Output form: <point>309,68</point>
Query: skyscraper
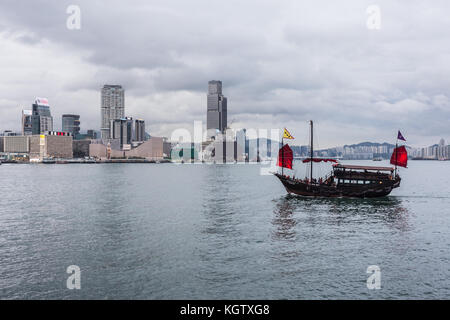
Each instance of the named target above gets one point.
<point>216,116</point>
<point>71,123</point>
<point>27,127</point>
<point>113,107</point>
<point>139,130</point>
<point>41,118</point>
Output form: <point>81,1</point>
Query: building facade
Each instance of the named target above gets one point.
<point>216,116</point>
<point>152,149</point>
<point>139,130</point>
<point>27,124</point>
<point>51,145</point>
<point>71,124</point>
<point>122,129</point>
<point>15,144</point>
<point>91,134</point>
<point>41,118</point>
<point>80,148</point>
<point>112,107</point>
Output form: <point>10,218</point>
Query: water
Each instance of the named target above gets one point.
<point>162,231</point>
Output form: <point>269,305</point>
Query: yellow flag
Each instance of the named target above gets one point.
<point>287,135</point>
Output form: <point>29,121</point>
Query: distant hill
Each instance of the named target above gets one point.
<point>303,151</point>
<point>369,144</point>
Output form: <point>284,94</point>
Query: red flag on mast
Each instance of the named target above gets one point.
<point>285,157</point>
<point>400,157</point>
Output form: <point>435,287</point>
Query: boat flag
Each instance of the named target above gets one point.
<point>400,157</point>
<point>287,135</point>
<point>285,157</point>
<point>400,136</point>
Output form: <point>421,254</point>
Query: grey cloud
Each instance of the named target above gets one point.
<point>282,60</point>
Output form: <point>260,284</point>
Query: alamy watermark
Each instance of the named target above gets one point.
<point>374,17</point>
<point>233,146</point>
<point>74,280</point>
<point>374,280</point>
<point>73,21</point>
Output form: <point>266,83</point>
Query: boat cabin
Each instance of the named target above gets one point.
<point>360,175</point>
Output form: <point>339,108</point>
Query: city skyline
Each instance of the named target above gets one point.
<point>121,127</point>
<point>281,67</point>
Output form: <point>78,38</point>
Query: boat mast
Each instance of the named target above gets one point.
<point>396,146</point>
<point>282,156</point>
<point>312,149</point>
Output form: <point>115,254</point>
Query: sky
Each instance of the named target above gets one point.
<point>281,62</point>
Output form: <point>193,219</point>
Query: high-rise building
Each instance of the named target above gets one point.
<point>113,107</point>
<point>122,129</point>
<point>71,123</point>
<point>41,118</point>
<point>139,130</point>
<point>216,116</point>
<point>27,128</point>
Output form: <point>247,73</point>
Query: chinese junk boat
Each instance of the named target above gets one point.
<point>344,180</point>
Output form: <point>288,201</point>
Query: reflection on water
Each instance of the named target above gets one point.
<point>283,220</point>
<point>218,211</point>
<point>388,210</point>
<point>215,232</point>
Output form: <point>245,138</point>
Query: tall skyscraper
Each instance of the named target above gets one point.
<point>113,107</point>
<point>27,124</point>
<point>41,118</point>
<point>71,123</point>
<point>216,116</point>
<point>139,130</point>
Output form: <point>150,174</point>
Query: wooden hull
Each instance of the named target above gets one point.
<point>373,190</point>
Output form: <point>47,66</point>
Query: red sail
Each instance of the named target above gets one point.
<point>285,157</point>
<point>400,157</point>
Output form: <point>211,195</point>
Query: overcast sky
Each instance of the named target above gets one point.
<point>281,64</point>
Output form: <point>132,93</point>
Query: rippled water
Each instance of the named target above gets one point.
<point>162,231</point>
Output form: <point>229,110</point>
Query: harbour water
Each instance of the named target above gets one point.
<point>165,231</point>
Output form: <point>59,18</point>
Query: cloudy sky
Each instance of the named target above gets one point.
<point>281,63</point>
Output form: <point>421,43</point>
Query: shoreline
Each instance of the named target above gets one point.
<point>82,161</point>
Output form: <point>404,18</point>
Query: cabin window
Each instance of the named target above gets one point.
<point>360,181</point>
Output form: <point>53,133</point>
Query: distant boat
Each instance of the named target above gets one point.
<point>344,180</point>
<point>48,161</point>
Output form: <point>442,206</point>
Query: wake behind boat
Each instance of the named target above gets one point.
<point>344,180</point>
